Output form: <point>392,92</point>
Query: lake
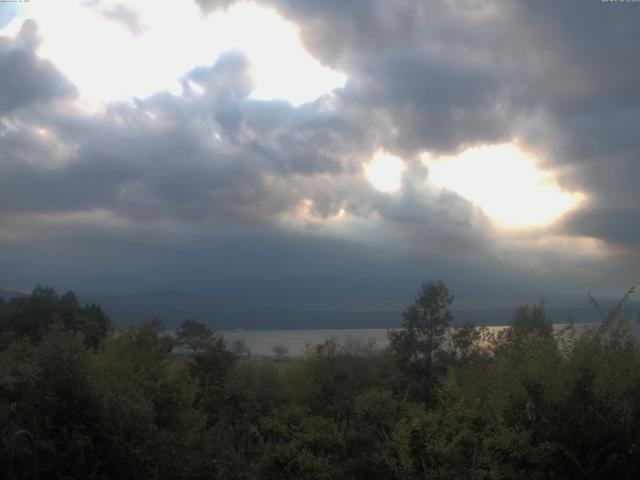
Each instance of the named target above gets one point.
<point>296,342</point>
<point>262,342</point>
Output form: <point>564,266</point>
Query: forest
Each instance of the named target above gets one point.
<point>443,401</point>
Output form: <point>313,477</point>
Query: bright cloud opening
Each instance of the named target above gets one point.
<point>505,183</point>
<point>385,172</point>
<point>108,61</point>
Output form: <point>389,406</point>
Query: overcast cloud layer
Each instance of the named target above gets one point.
<point>211,191</point>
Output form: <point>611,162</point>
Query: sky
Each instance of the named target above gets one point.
<point>330,154</point>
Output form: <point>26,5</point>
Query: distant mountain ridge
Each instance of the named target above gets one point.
<point>10,294</point>
<point>173,307</point>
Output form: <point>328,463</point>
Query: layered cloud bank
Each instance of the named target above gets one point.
<point>300,154</point>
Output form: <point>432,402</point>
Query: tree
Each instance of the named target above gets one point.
<point>241,349</point>
<point>531,320</point>
<point>46,390</point>
<point>194,336</point>
<point>465,341</point>
<point>209,361</point>
<point>280,351</point>
<point>148,427</point>
<point>418,345</point>
<point>33,315</point>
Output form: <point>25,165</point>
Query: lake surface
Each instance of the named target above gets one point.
<point>262,342</point>
<point>296,342</point>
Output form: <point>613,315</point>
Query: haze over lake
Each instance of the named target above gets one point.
<point>297,342</point>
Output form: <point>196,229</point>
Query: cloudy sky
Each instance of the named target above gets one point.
<point>321,152</point>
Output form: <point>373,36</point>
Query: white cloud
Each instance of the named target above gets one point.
<point>505,183</point>
<point>385,172</point>
<point>108,62</point>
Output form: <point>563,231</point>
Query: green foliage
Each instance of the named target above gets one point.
<point>194,336</point>
<point>32,316</point>
<point>531,321</point>
<point>300,446</point>
<point>328,380</point>
<point>46,390</point>
<point>528,403</point>
<point>418,345</point>
<point>148,395</point>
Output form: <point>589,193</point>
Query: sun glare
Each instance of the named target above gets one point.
<point>107,61</point>
<point>385,172</point>
<point>505,183</point>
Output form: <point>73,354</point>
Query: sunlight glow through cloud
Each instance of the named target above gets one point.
<point>107,61</point>
<point>505,183</point>
<point>385,172</point>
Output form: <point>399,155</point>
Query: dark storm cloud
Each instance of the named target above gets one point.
<point>181,191</point>
<point>25,79</point>
<point>561,76</point>
<point>430,104</point>
<point>589,84</point>
<point>175,157</point>
<point>426,71</point>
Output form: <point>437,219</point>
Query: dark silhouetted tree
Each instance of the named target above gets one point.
<point>418,345</point>
<point>194,336</point>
